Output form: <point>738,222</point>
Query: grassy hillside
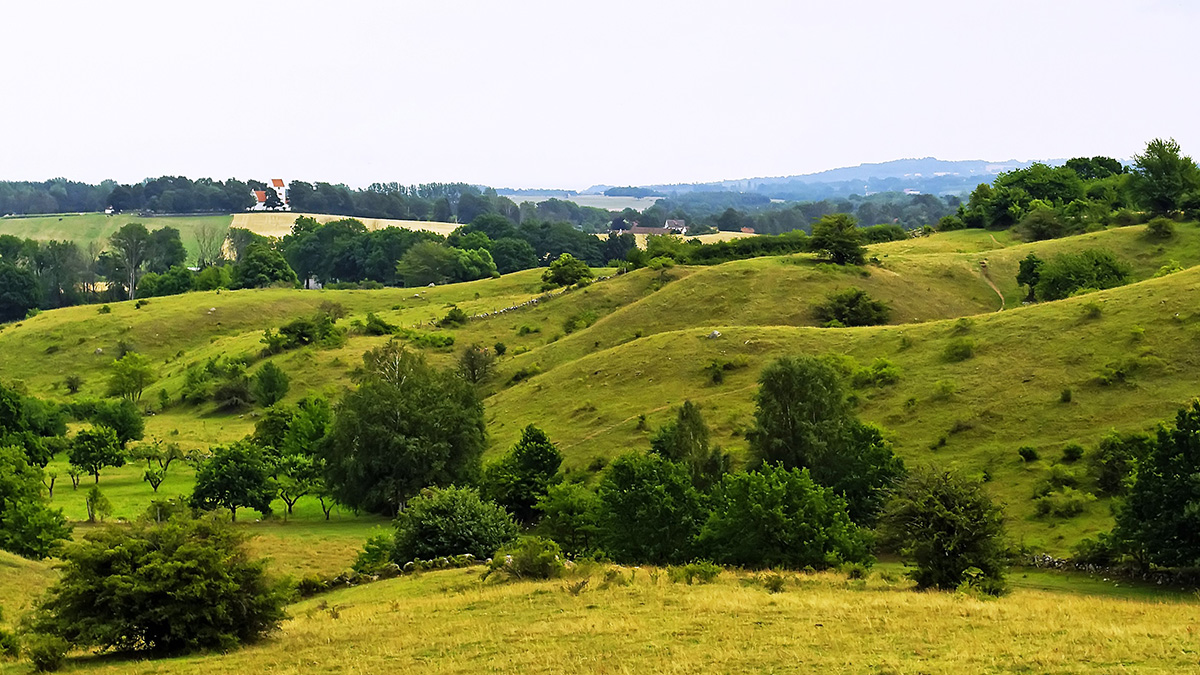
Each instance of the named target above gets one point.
<point>647,346</point>
<point>21,582</point>
<point>85,228</point>
<point>450,622</point>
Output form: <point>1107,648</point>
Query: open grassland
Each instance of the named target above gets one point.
<point>86,228</point>
<point>641,344</point>
<point>450,622</point>
<point>21,583</point>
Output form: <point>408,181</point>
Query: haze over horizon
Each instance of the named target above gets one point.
<point>539,94</point>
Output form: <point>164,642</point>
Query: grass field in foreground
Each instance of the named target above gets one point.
<point>450,622</point>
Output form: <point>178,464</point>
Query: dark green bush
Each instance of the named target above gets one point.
<point>377,326</point>
<point>949,530</point>
<point>375,554</point>
<point>1063,503</point>
<point>519,479</point>
<point>778,517</point>
<point>649,510</point>
<point>1115,459</point>
<point>450,521</point>
<point>455,317</point>
<point>569,513</point>
<point>1072,452</point>
<point>1028,454</point>
<point>851,307</point>
<point>959,349</point>
<point>183,586</point>
<point>579,321</point>
<point>1066,273</point>
<point>1160,228</point>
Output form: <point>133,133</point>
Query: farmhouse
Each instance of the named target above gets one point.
<point>261,197</point>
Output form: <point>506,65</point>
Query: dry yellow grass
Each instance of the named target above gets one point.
<point>278,224</point>
<point>449,622</point>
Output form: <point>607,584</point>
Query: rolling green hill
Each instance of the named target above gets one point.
<point>648,343</point>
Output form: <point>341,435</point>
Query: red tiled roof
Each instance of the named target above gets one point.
<point>277,182</point>
<point>260,195</point>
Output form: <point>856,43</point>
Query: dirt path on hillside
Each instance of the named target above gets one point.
<point>983,269</point>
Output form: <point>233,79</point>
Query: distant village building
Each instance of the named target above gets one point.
<point>676,226</point>
<point>747,230</point>
<point>281,191</point>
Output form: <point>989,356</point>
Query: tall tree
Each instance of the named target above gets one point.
<point>407,426</point>
<point>19,292</point>
<point>519,479</point>
<point>236,475</point>
<point>131,244</point>
<point>686,441</point>
<point>1163,176</point>
<point>837,238</point>
<point>94,449</point>
<point>164,250</point>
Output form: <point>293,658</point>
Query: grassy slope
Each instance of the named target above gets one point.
<point>595,382</point>
<point>89,227</point>
<point>21,582</point>
<point>449,622</point>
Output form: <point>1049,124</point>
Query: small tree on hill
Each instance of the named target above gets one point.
<point>837,238</point>
<point>569,512</point>
<point>476,363</point>
<point>519,479</point>
<point>183,586</point>
<point>686,440</point>
<point>129,376</point>
<point>269,385</point>
<point>567,270</point>
<point>96,448</point>
<point>949,530</point>
<point>236,475</point>
<point>261,266</point>
<point>1163,176</point>
<point>1028,274</point>
<point>851,307</point>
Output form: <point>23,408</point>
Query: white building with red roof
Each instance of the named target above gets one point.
<point>261,197</point>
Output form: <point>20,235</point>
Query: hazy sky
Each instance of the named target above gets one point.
<point>568,94</point>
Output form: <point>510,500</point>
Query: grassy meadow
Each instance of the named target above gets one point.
<point>85,228</point>
<point>647,346</point>
<point>638,621</point>
<point>638,346</point>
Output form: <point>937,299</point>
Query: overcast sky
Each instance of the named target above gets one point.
<point>569,94</point>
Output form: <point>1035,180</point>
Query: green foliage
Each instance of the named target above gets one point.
<point>236,475</point>
<point>47,653</point>
<point>96,448</point>
<point>1066,273</point>
<point>880,373</point>
<point>947,527</point>
<point>375,554</point>
<point>649,511</point>
<point>129,376</point>
<point>405,427</point>
<point>450,521</point>
<point>1029,273</point>
<point>454,318</point>
<point>28,527</point>
<point>19,292</point>
<point>567,270</point>
<point>686,441</point>
<point>1072,452</point>
<point>837,238</point>
<point>803,419</point>
<point>959,349</point>
<point>183,586</point>
<point>1066,502</point>
<point>1163,176</point>
<point>528,558</point>
<point>717,368</point>
<point>1114,461</point>
<point>779,517</point>
<point>270,384</point>
<point>1028,454</point>
<point>698,572</point>
<point>1160,228</point>
<point>1065,396</point>
<point>579,321</point>
<point>851,307</point>
<point>1157,521</point>
<point>519,480</point>
<point>377,326</point>
<point>427,262</point>
<point>261,266</point>
<point>476,363</point>
<point>97,504</point>
<point>569,513</point>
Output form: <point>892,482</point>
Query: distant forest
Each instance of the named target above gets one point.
<point>461,202</point>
